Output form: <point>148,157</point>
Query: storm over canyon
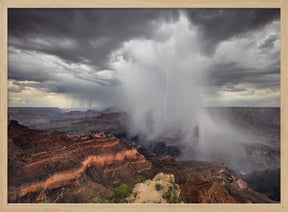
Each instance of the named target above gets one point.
<point>106,102</point>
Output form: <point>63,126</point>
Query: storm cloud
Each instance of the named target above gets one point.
<point>217,25</point>
<point>82,35</point>
<point>72,51</point>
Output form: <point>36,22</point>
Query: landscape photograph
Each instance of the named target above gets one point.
<point>141,106</point>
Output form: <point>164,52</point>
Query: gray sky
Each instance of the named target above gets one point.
<point>67,57</point>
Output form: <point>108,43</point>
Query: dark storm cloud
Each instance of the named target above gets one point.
<point>31,74</point>
<point>231,75</point>
<point>217,25</point>
<point>82,35</point>
<point>33,66</point>
<point>269,42</point>
<point>26,66</point>
<point>67,50</point>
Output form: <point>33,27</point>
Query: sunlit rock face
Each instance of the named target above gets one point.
<point>161,189</point>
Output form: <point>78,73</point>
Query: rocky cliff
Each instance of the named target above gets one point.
<point>77,168</point>
<point>40,163</point>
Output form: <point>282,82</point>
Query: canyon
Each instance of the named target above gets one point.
<point>79,156</point>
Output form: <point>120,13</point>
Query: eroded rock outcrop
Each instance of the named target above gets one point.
<point>161,189</point>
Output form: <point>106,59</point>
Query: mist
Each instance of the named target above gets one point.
<point>162,88</point>
<point>158,90</point>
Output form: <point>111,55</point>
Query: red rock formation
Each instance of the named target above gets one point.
<point>64,178</point>
<point>64,161</point>
<point>78,167</point>
<point>208,192</point>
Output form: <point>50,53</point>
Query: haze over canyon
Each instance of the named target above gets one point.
<point>106,102</point>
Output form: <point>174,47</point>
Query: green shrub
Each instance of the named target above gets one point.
<point>120,194</point>
<point>171,195</point>
<point>45,201</point>
<point>158,187</point>
<point>96,200</point>
<point>139,179</point>
<point>174,184</point>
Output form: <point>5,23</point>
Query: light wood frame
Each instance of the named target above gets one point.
<point>5,4</point>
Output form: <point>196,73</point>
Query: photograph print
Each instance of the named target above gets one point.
<point>143,105</point>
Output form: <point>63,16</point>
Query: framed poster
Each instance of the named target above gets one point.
<point>143,105</point>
